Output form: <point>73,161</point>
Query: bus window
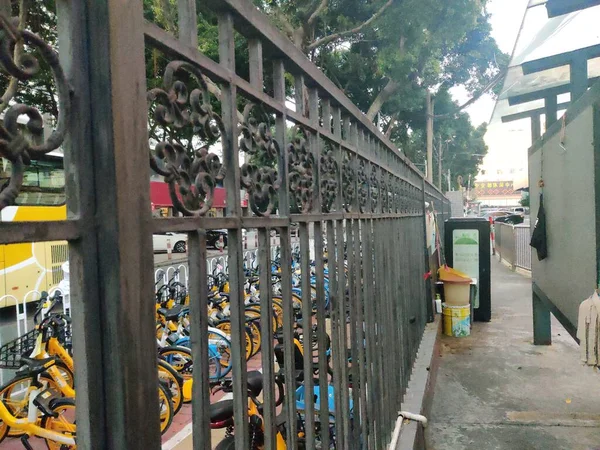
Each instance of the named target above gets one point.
<point>43,182</point>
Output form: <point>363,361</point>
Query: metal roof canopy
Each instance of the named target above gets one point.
<point>560,7</point>
<point>554,61</point>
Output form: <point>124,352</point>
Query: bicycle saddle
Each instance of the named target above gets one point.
<point>220,299</point>
<point>35,366</point>
<point>173,313</point>
<point>255,382</point>
<point>221,413</point>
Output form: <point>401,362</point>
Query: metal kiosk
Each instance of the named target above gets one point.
<point>467,248</point>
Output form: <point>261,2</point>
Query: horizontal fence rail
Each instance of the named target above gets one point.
<point>338,314</point>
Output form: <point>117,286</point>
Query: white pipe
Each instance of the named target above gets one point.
<point>401,416</point>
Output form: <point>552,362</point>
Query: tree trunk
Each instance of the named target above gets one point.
<point>384,95</point>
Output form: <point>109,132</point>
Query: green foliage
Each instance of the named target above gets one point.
<point>463,145</point>
<point>39,91</point>
<point>525,201</point>
<point>382,55</point>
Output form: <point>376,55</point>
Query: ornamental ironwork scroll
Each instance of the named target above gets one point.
<point>374,185</point>
<point>329,178</point>
<point>18,143</point>
<point>391,193</point>
<point>300,177</point>
<point>363,185</point>
<point>348,181</point>
<point>383,190</point>
<point>395,192</point>
<point>259,176</point>
<point>192,173</point>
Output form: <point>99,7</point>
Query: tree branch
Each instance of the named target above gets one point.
<point>384,95</point>
<point>333,37</point>
<point>11,90</point>
<point>390,88</point>
<point>216,91</point>
<point>317,12</point>
<point>285,23</point>
<point>390,127</point>
<point>477,96</point>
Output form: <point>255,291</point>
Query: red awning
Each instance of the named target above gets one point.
<point>159,194</point>
<point>160,197</point>
<point>220,198</point>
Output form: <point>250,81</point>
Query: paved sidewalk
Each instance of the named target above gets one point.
<point>496,390</point>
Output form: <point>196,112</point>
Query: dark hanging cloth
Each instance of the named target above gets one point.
<point>538,238</point>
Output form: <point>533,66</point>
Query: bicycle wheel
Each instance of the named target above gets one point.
<point>169,376</point>
<point>253,312</point>
<point>225,326</point>
<point>219,347</point>
<point>166,408</point>
<point>278,314</point>
<point>256,336</point>
<point>179,358</point>
<point>227,443</point>
<point>15,395</point>
<point>62,421</point>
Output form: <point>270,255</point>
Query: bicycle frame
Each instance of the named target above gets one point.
<point>54,348</point>
<point>29,425</point>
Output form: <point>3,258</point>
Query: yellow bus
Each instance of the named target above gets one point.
<point>27,269</point>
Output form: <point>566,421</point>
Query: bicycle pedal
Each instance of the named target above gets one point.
<point>25,442</point>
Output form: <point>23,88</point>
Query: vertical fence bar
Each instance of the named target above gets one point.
<point>360,326</point>
<point>288,338</point>
<point>380,282</point>
<point>307,304</point>
<point>353,375</point>
<point>199,334</point>
<point>266,327</point>
<point>334,276</point>
<point>117,88</point>
<point>234,238</point>
<point>322,334</point>
<point>369,328</point>
<point>342,378</point>
<point>188,22</point>
<point>74,34</point>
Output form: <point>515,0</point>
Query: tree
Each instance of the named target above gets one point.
<point>384,54</point>
<point>40,18</point>
<point>463,146</point>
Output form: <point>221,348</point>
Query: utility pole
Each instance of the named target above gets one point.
<point>440,156</point>
<point>429,137</point>
<point>449,181</point>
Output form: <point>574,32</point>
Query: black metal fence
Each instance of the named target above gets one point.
<point>349,189</point>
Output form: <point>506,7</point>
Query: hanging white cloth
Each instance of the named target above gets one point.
<point>588,330</point>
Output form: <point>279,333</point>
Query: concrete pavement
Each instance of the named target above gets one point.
<point>496,390</point>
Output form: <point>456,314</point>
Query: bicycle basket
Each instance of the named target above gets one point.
<point>11,352</point>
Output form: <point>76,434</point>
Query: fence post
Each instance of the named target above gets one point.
<point>514,249</point>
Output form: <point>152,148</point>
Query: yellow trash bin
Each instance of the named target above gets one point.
<point>457,320</point>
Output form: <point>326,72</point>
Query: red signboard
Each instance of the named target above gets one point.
<point>160,196</point>
<point>494,188</point>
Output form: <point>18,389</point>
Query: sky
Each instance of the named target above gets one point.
<point>508,143</point>
<point>506,18</point>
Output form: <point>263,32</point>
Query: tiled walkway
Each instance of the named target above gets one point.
<point>496,390</point>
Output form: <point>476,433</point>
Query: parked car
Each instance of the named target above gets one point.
<point>213,238</point>
<point>511,219</point>
<point>519,210</point>
<point>495,214</point>
<point>178,242</point>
